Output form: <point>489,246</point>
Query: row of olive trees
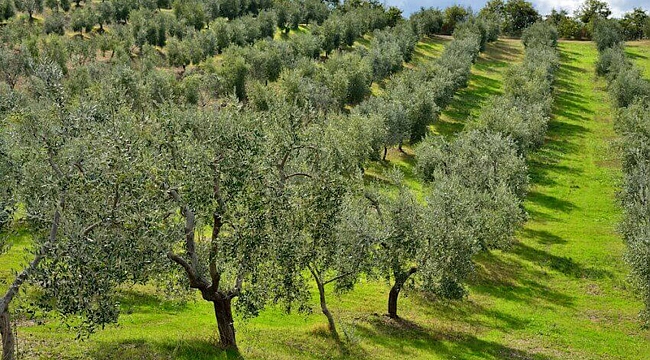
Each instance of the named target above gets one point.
<point>243,60</point>
<point>115,192</point>
<point>414,98</point>
<point>523,111</point>
<point>245,202</point>
<point>630,93</point>
<point>485,166</point>
<point>246,199</point>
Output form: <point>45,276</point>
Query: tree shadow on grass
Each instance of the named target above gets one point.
<point>466,311</point>
<point>544,163</point>
<point>635,56</point>
<point>146,349</point>
<point>134,301</point>
<point>503,51</point>
<point>562,264</point>
<point>551,202</point>
<point>509,279</point>
<point>543,237</point>
<point>405,338</point>
<point>466,103</point>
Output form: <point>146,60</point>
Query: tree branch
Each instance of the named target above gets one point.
<point>338,277</point>
<point>40,254</point>
<point>315,274</point>
<point>297,174</point>
<point>195,281</point>
<point>374,202</point>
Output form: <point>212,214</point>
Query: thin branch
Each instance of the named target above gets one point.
<point>297,174</point>
<point>315,274</point>
<point>90,228</point>
<point>374,202</point>
<point>338,277</point>
<point>238,283</point>
<point>217,186</point>
<point>40,254</point>
<point>190,245</point>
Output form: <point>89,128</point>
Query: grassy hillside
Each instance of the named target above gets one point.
<point>559,293</point>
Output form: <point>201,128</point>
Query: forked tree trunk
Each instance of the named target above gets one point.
<point>8,341</point>
<point>225,322</point>
<point>393,295</point>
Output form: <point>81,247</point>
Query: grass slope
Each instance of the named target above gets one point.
<point>639,52</point>
<point>560,293</point>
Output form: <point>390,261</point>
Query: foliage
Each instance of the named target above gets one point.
<point>633,24</point>
<point>454,15</point>
<point>607,33</point>
<point>590,10</point>
<point>54,24</point>
<point>630,93</point>
<point>523,111</point>
<point>518,15</point>
<point>31,7</point>
<point>427,22</point>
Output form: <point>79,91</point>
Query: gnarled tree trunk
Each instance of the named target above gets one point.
<point>225,323</point>
<point>400,279</point>
<point>8,341</point>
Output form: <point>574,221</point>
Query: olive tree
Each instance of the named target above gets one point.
<point>79,200</point>
<point>607,33</point>
<point>488,165</point>
<point>31,7</point>
<point>14,64</point>
<point>319,178</point>
<point>429,246</point>
<point>250,189</point>
<point>427,22</point>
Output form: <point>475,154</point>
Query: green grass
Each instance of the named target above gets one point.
<point>559,293</point>
<point>639,52</point>
<point>485,82</point>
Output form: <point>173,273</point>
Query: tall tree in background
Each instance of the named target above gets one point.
<point>633,24</point>
<point>591,9</point>
<point>518,15</point>
<point>454,15</point>
<point>567,26</point>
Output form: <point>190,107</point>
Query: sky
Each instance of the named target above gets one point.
<point>618,7</point>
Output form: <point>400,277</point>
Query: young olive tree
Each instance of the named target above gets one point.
<point>435,240</point>
<point>328,156</point>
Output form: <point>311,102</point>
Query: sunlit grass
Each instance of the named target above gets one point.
<point>639,52</point>
<point>559,293</point>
